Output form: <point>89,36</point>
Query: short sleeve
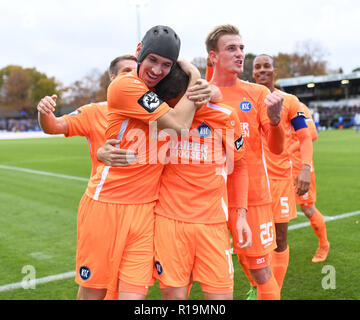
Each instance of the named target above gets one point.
<point>296,108</point>
<point>78,122</point>
<point>130,97</point>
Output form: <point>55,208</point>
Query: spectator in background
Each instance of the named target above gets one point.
<point>340,123</point>
<point>3,125</point>
<point>316,117</point>
<point>357,120</point>
<point>19,125</point>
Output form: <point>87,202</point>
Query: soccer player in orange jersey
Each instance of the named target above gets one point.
<point>193,198</point>
<point>259,112</point>
<point>87,121</point>
<point>192,209</point>
<point>279,165</point>
<point>116,213</point>
<point>307,201</point>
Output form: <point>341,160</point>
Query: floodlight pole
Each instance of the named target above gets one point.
<point>138,21</point>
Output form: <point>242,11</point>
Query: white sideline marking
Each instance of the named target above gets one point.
<point>326,218</point>
<point>25,135</point>
<point>40,256</point>
<point>72,274</point>
<point>44,173</point>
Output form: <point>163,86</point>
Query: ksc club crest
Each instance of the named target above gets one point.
<point>84,273</point>
<point>204,130</point>
<point>158,268</point>
<point>150,101</point>
<point>245,106</point>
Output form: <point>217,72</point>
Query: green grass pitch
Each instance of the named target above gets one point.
<point>38,220</point>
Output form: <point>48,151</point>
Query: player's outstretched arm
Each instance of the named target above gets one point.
<point>47,120</point>
<point>115,157</point>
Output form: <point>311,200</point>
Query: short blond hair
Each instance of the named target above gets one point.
<point>213,37</point>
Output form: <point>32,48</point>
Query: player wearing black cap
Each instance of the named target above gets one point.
<point>116,225</point>
<point>161,40</point>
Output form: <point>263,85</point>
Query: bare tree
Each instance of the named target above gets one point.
<point>200,63</point>
<point>308,59</point>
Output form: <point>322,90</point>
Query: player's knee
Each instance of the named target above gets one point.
<point>216,296</point>
<point>262,275</point>
<point>91,294</point>
<point>308,211</point>
<point>174,293</point>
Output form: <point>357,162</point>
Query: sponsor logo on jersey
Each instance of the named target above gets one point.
<point>74,113</point>
<point>239,143</point>
<point>188,150</point>
<point>245,106</point>
<point>84,273</point>
<point>150,101</point>
<point>159,268</point>
<point>204,130</point>
<point>245,130</point>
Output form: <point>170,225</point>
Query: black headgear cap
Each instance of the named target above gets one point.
<point>161,40</point>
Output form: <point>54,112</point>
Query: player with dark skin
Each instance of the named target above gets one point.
<point>293,119</point>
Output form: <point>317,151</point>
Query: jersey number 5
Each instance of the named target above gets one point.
<point>284,202</point>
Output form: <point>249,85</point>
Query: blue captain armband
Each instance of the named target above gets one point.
<point>299,122</point>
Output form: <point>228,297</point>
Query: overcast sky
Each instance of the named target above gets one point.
<point>67,39</point>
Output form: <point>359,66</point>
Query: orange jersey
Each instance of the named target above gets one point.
<point>295,155</point>
<point>248,101</point>
<point>193,184</point>
<point>89,121</point>
<point>279,165</point>
<point>132,110</point>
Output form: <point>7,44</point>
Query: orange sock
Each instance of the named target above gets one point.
<point>318,225</point>
<point>269,290</point>
<point>244,265</point>
<point>279,265</point>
